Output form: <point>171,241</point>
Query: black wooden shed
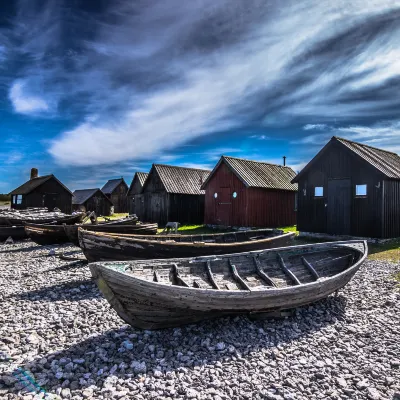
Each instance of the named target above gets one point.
<point>173,194</point>
<point>91,200</point>
<point>350,188</point>
<point>44,191</point>
<point>135,197</point>
<point>116,190</point>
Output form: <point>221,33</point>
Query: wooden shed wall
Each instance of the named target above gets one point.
<point>252,206</point>
<point>184,208</point>
<point>391,209</point>
<point>317,214</point>
<point>97,203</point>
<point>119,199</point>
<point>135,199</point>
<point>50,194</point>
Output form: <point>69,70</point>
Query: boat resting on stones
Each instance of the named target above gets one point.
<point>99,246</point>
<point>46,234</point>
<point>133,229</point>
<point>153,294</point>
<point>57,218</point>
<point>15,232</point>
<point>123,225</point>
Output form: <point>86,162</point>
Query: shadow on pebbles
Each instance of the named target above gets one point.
<point>59,335</point>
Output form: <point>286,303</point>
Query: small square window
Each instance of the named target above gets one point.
<point>19,199</point>
<point>319,191</point>
<point>361,190</point>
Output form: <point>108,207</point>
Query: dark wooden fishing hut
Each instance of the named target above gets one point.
<point>92,200</point>
<point>350,188</point>
<point>173,194</point>
<point>42,191</point>
<point>116,190</point>
<point>135,197</point>
<point>241,192</point>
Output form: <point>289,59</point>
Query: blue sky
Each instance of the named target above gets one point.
<point>93,90</point>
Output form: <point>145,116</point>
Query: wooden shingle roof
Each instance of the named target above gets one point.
<point>181,180</point>
<point>258,174</point>
<point>387,162</point>
<point>32,184</point>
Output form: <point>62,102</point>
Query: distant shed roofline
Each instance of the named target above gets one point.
<point>137,176</point>
<point>85,199</point>
<point>43,179</point>
<point>112,184</point>
<point>226,162</point>
<point>337,139</point>
<point>154,167</point>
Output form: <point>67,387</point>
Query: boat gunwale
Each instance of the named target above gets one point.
<point>167,288</point>
<point>133,238</point>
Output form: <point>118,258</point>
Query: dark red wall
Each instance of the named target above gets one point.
<point>251,207</point>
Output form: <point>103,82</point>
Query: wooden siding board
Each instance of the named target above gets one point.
<point>341,163</point>
<point>391,209</point>
<point>252,206</point>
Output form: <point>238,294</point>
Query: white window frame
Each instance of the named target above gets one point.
<point>366,190</point>
<point>315,191</point>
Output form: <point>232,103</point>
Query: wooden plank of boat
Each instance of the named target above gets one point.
<point>149,303</point>
<point>100,246</point>
<point>16,232</point>
<point>46,234</point>
<point>112,227</point>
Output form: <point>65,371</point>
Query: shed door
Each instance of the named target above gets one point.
<point>224,206</point>
<point>50,200</point>
<point>339,206</point>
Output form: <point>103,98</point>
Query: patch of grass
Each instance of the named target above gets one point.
<point>5,203</point>
<point>397,277</point>
<point>389,251</point>
<point>111,217</point>
<point>194,230</point>
<point>287,229</point>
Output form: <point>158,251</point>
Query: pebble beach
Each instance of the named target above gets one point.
<point>59,338</point>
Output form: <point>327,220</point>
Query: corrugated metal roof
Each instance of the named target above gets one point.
<point>181,180</point>
<point>32,184</point>
<point>385,161</point>
<point>259,174</point>
<point>83,195</point>
<point>141,178</point>
<point>111,185</point>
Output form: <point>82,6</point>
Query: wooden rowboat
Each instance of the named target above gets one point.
<point>46,234</point>
<point>98,246</point>
<point>153,294</point>
<point>16,232</point>
<point>37,218</point>
<point>111,227</point>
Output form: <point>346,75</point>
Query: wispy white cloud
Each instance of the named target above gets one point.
<point>24,102</point>
<point>150,78</point>
<point>260,137</point>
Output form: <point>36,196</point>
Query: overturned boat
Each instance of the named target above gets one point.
<point>46,234</point>
<point>99,246</point>
<point>16,217</point>
<point>153,294</point>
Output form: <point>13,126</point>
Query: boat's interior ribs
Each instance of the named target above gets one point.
<point>250,271</point>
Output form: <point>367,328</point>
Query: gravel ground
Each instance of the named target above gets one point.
<point>56,326</point>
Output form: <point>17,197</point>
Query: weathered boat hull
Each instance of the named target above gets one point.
<point>142,229</point>
<point>147,304</point>
<point>32,219</point>
<point>109,247</point>
<point>16,232</point>
<point>46,234</point>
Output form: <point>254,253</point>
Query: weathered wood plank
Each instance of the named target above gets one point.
<point>210,275</point>
<point>177,277</point>
<point>156,277</point>
<point>314,273</point>
<point>261,273</point>
<point>287,270</point>
<point>237,277</point>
